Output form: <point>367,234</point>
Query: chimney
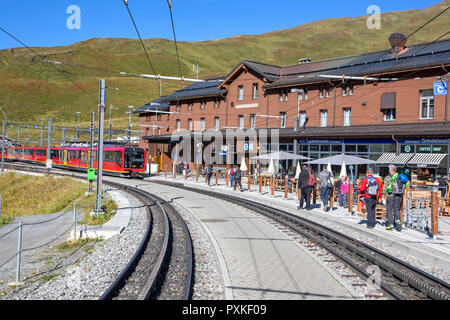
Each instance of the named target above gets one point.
<point>304,60</point>
<point>398,43</point>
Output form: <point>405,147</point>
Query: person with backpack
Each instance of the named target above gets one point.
<point>305,185</point>
<point>326,183</point>
<point>394,186</point>
<point>237,179</point>
<point>209,172</point>
<point>371,190</point>
<point>231,175</point>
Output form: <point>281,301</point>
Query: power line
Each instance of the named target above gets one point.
<point>428,22</point>
<point>52,65</point>
<point>142,43</point>
<point>169,3</point>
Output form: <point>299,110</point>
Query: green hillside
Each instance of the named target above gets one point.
<point>32,89</point>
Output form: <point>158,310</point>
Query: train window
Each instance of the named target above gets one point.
<point>74,154</point>
<point>84,156</point>
<point>41,153</point>
<point>29,152</point>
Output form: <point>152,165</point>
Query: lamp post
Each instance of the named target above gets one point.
<point>297,121</point>
<point>42,131</point>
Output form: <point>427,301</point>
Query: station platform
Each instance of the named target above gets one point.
<point>412,246</point>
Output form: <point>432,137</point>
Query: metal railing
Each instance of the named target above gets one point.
<point>415,214</point>
<point>20,228</point>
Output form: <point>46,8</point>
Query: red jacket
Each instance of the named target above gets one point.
<point>363,188</point>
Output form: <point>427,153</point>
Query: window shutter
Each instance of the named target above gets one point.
<point>388,100</point>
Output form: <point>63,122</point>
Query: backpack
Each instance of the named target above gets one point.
<point>372,186</point>
<point>311,180</point>
<point>231,172</point>
<point>398,187</point>
<point>237,174</point>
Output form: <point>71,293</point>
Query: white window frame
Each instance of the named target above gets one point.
<point>428,99</point>
<point>241,93</point>
<point>283,95</point>
<point>203,122</point>
<point>190,124</point>
<point>350,89</point>
<point>252,121</point>
<point>344,90</point>
<point>302,118</point>
<point>255,91</point>
<point>347,117</point>
<point>390,114</point>
<point>323,124</point>
<point>178,124</point>
<point>241,122</point>
<point>217,122</point>
<point>283,119</point>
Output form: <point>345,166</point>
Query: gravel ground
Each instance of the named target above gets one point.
<point>87,276</point>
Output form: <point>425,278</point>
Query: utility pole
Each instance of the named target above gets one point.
<point>3,146</point>
<point>101,117</point>
<point>49,146</point>
<point>91,151</point>
<point>42,134</point>
<point>78,127</point>
<point>18,135</point>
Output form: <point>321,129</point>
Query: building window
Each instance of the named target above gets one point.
<point>190,124</point>
<point>283,119</point>
<point>252,121</point>
<point>303,95</point>
<point>217,122</point>
<point>426,104</point>
<point>203,105</point>
<point>321,93</point>
<point>350,89</point>
<point>178,124</point>
<point>389,114</point>
<point>203,121</point>
<point>302,118</point>
<point>255,91</point>
<point>347,116</point>
<point>216,104</point>
<point>323,118</point>
<point>178,108</point>
<point>190,106</point>
<point>283,95</point>
<point>344,90</point>
<point>241,93</point>
<point>241,122</point>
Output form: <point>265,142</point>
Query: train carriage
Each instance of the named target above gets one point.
<point>117,160</point>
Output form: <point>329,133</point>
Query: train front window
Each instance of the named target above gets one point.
<point>134,158</point>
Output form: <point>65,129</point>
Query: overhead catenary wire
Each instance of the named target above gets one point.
<point>142,43</point>
<point>169,3</point>
<point>45,60</point>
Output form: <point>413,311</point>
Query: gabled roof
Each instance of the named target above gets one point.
<point>197,90</point>
<point>418,56</point>
<point>267,71</point>
<point>155,105</point>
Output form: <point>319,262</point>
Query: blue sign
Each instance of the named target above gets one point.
<point>440,88</point>
<point>246,146</point>
<point>222,154</point>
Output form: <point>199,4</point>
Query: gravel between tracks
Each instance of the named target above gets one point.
<point>89,277</point>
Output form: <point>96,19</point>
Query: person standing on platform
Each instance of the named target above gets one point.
<point>371,190</point>
<point>231,175</point>
<point>344,191</point>
<point>338,189</point>
<point>209,172</point>
<point>237,179</point>
<point>304,188</point>
<point>443,185</point>
<point>393,189</point>
<point>326,183</point>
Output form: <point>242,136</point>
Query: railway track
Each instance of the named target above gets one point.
<point>162,266</point>
<point>399,279</point>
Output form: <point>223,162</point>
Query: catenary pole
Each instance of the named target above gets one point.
<point>49,144</point>
<point>101,116</point>
<point>91,151</point>
<point>3,145</point>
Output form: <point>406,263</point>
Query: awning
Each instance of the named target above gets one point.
<point>399,160</point>
<point>426,160</point>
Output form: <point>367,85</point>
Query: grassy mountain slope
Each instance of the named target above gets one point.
<point>31,89</point>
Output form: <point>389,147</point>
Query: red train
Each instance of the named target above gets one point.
<point>120,161</point>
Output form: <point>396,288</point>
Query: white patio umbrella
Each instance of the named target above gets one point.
<point>243,165</point>
<point>343,170</point>
<point>271,167</point>
<point>297,173</point>
<point>339,159</point>
<point>280,155</point>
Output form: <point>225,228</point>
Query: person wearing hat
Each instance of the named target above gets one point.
<point>394,185</point>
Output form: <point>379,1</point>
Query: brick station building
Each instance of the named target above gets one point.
<point>368,105</point>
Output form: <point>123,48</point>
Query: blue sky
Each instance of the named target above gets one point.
<point>43,23</point>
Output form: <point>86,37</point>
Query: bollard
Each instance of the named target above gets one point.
<point>75,221</point>
<point>165,171</point>
<point>260,184</point>
<point>286,187</point>
<point>226,176</point>
<point>332,198</point>
<point>350,198</point>
<point>217,178</point>
<point>248,176</point>
<point>273,186</point>
<point>0,205</point>
<point>314,195</point>
<point>434,214</point>
<point>185,174</point>
<point>19,251</point>
<point>174,171</point>
<point>196,173</point>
